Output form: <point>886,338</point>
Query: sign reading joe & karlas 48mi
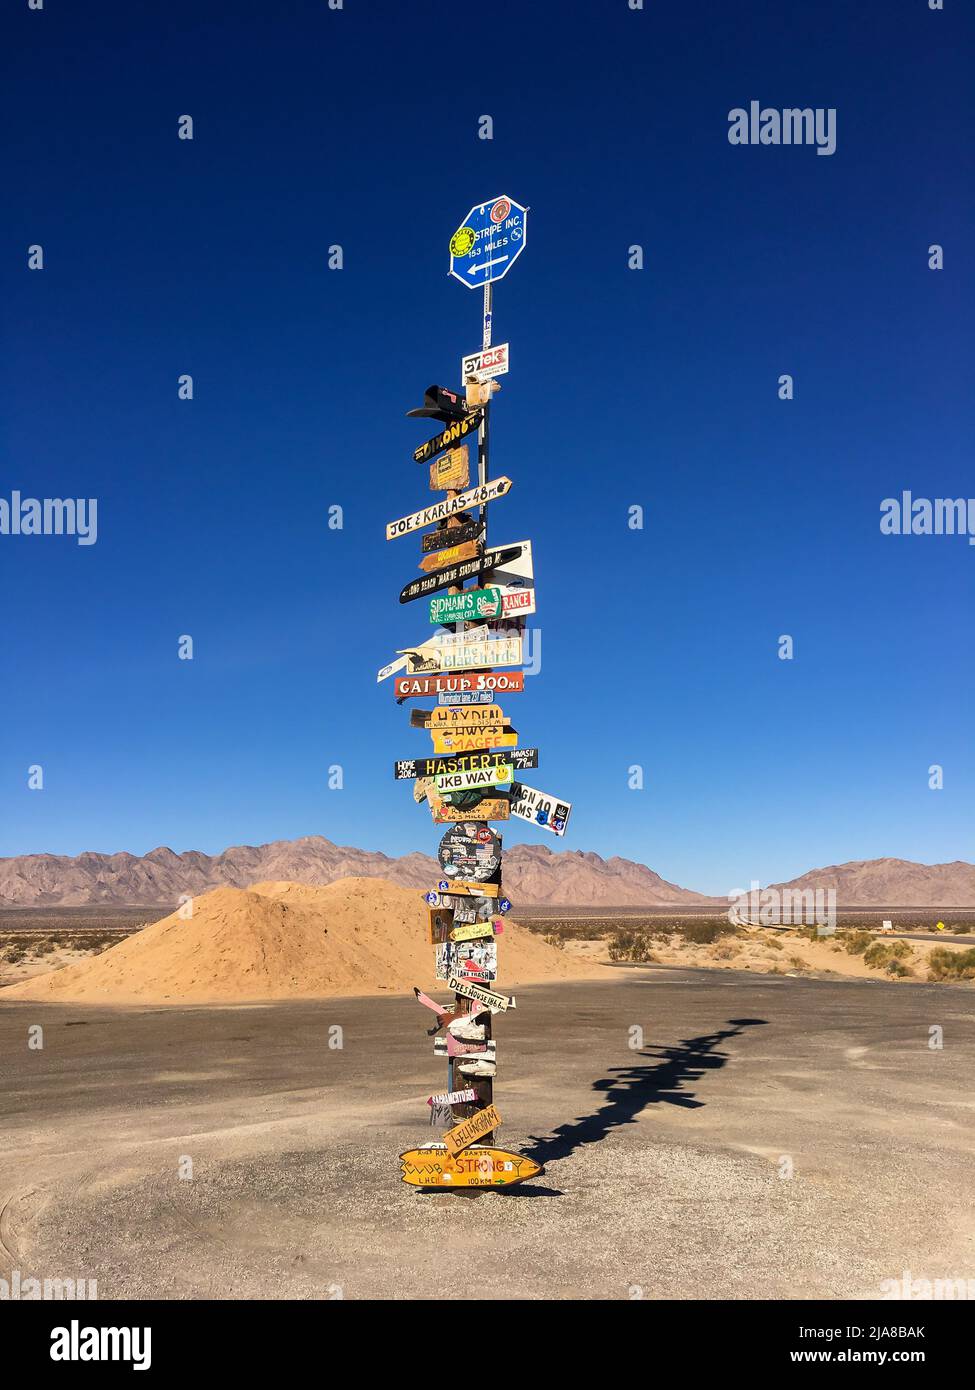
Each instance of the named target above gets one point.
<point>467,668</point>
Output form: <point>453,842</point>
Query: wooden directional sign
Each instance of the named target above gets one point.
<point>466,717</point>
<point>451,470</point>
<point>451,535</point>
<point>453,434</point>
<point>475,930</point>
<point>476,1166</point>
<point>488,736</point>
<point>528,803</point>
<point>449,506</point>
<point>473,888</point>
<point>469,606</point>
<point>491,808</point>
<point>473,1128</point>
<point>453,1097</point>
<point>451,576</point>
<point>447,651</point>
<point>456,685</point>
<point>470,853</point>
<point>450,762</point>
<point>497,1003</point>
<point>470,550</point>
<point>482,777</point>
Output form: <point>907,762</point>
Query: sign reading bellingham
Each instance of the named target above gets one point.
<point>488,242</point>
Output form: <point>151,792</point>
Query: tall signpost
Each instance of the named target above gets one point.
<point>477,597</point>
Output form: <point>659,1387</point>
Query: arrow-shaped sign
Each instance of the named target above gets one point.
<point>456,574</point>
<point>440,511</point>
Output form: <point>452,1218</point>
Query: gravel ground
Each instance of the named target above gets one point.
<point>771,1138</point>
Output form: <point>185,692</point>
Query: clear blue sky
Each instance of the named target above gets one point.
<point>657,388</point>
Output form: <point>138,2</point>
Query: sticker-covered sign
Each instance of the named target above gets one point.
<point>470,606</point>
<point>460,651</point>
<point>453,434</point>
<point>470,852</point>
<point>485,682</point>
<point>453,575</point>
<point>449,506</point>
<point>451,470</point>
<point>528,803</point>
<point>488,242</point>
<point>486,364</point>
<point>476,960</point>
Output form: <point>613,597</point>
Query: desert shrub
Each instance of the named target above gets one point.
<point>554,939</point>
<point>898,968</point>
<point>705,933</point>
<point>856,942</point>
<point>797,963</point>
<point>631,944</point>
<point>882,953</point>
<point>772,942</point>
<point>945,964</point>
<point>727,950</point>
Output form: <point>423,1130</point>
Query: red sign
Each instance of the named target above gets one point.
<point>456,683</point>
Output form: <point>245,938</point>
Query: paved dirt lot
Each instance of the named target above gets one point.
<point>666,1167</point>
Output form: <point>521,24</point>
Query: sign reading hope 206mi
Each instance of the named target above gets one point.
<point>488,242</point>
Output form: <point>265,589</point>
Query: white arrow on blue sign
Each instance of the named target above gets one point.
<point>488,242</point>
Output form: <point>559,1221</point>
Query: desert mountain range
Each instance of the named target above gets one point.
<point>534,875</point>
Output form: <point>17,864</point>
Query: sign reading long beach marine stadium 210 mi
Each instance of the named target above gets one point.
<point>479,596</point>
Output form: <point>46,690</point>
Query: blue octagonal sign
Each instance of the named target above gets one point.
<point>488,242</point>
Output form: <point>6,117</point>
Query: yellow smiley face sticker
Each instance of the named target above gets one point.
<point>462,241</point>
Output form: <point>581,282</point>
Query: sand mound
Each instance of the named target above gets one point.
<point>285,941</point>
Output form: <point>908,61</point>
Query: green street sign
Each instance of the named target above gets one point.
<point>472,605</point>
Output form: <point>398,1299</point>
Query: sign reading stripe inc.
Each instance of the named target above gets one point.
<point>488,242</point>
<point>447,507</point>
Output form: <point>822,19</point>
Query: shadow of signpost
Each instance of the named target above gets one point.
<point>664,1080</point>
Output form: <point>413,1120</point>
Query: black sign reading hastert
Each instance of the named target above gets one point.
<point>456,574</point>
<point>519,758</point>
<point>451,435</point>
